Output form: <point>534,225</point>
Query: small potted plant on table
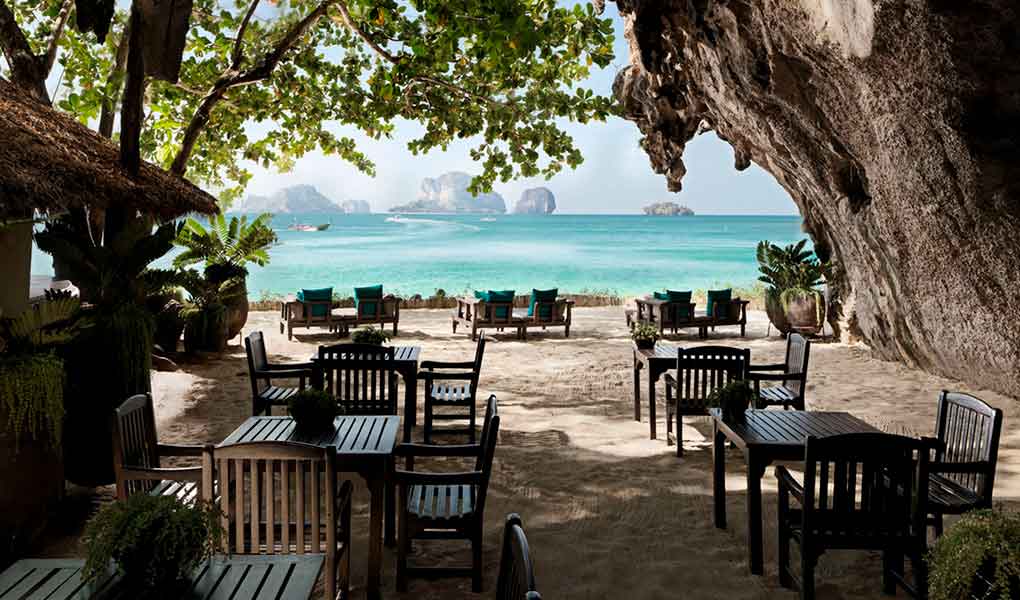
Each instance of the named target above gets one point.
<point>732,399</point>
<point>312,410</point>
<point>645,335</point>
<point>978,557</point>
<point>370,335</point>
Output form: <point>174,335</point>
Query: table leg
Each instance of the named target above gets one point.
<point>375,536</point>
<point>410,402</point>
<point>719,475</point>
<point>391,503</point>
<point>652,379</point>
<point>755,471</point>
<point>637,388</point>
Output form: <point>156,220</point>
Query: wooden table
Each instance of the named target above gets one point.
<point>280,576</point>
<point>364,445</point>
<point>655,361</point>
<point>405,362</point>
<point>766,436</point>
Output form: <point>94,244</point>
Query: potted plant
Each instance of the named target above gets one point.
<point>312,410</point>
<point>644,335</point>
<point>236,243</point>
<point>978,557</point>
<point>206,316</point>
<point>154,542</point>
<point>792,275</point>
<point>732,399</point>
<point>370,335</point>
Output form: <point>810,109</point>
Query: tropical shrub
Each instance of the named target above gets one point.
<point>790,273</point>
<point>206,312</point>
<point>370,335</point>
<point>154,541</point>
<point>978,557</point>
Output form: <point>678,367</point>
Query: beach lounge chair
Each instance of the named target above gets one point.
<point>298,483</point>
<point>487,310</point>
<point>516,575</point>
<point>361,377</point>
<point>137,455</point>
<point>371,307</point>
<point>721,309</point>
<point>545,309</point>
<point>860,492</point>
<point>699,372</point>
<point>261,373</point>
<point>450,386</point>
<point>790,375</point>
<point>669,311</point>
<point>963,474</point>
<point>446,505</point>
<point>308,308</point>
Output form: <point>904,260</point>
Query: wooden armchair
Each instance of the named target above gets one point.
<point>733,312</point>
<point>963,473</point>
<point>861,491</point>
<point>791,376</point>
<point>557,313</point>
<point>516,575</point>
<point>475,314</point>
<point>361,377</point>
<point>699,372</point>
<point>381,312</point>
<point>445,505</point>
<point>283,498</point>
<point>261,373</point>
<point>451,386</point>
<point>300,313</point>
<point>137,455</point>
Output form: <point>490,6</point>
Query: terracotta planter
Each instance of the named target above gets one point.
<point>776,313</point>
<point>237,313</point>
<point>804,313</point>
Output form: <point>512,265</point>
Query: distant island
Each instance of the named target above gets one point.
<point>668,209</point>
<point>299,199</point>
<point>448,194</point>
<point>536,201</point>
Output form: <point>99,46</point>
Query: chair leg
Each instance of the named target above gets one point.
<point>669,413</point>
<point>471,433</point>
<point>783,536</point>
<point>679,433</point>
<point>428,421</point>
<point>892,563</point>
<point>476,563</point>
<point>807,574</point>
<point>403,542</point>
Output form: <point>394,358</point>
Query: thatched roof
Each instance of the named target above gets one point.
<point>50,162</point>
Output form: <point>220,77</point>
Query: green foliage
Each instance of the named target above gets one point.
<point>32,392</point>
<point>985,543</point>
<point>370,335</point>
<point>312,410</point>
<point>789,267</point>
<point>155,541</point>
<point>234,242</point>
<point>42,326</point>
<point>733,398</point>
<point>645,333</point>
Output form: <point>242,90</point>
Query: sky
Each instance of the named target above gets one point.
<point>616,176</point>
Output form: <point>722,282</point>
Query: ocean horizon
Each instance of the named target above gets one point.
<point>415,253</point>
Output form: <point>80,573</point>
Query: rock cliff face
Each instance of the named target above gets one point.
<point>356,207</point>
<point>293,199</point>
<point>895,127</point>
<point>536,201</point>
<point>448,194</point>
<point>667,209</point>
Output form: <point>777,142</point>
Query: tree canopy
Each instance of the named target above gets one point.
<point>505,73</point>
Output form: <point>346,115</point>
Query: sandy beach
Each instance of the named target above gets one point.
<point>608,512</point>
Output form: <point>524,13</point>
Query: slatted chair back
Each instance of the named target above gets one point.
<point>703,369</point>
<point>135,442</point>
<point>476,370</point>
<point>487,441</point>
<point>516,579</point>
<point>968,430</point>
<point>798,349</point>
<point>277,497</point>
<point>255,349</point>
<point>495,313</point>
<point>860,487</point>
<point>362,377</point>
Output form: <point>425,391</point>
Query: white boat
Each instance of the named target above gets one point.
<point>487,220</point>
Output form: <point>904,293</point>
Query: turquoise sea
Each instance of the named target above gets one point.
<point>417,254</point>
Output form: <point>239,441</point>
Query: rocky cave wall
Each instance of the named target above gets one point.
<point>895,127</point>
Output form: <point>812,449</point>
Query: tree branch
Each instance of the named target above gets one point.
<point>50,56</point>
<point>109,107</point>
<point>25,66</point>
<point>237,55</point>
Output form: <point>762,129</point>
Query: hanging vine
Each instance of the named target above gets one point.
<point>32,393</point>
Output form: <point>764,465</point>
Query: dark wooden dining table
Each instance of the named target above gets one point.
<point>405,362</point>
<point>766,436</point>
<point>273,577</point>
<point>364,445</point>
<point>654,361</point>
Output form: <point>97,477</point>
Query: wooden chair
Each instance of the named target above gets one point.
<point>265,395</point>
<point>699,372</point>
<point>516,576</point>
<point>863,491</point>
<point>446,505</point>
<point>137,455</point>
<point>283,498</point>
<point>558,313</point>
<point>963,473</point>
<point>299,312</point>
<point>361,377</point>
<point>475,314</point>
<point>792,377</point>
<point>449,389</point>
<point>381,312</point>
<point>733,312</point>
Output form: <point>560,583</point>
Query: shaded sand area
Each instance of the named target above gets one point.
<point>607,511</point>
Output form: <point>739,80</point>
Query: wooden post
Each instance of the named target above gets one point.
<point>15,267</point>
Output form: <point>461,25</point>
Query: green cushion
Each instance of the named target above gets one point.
<point>660,295</point>
<point>717,296</point>
<point>483,296</point>
<point>364,298</point>
<point>682,298</point>
<point>500,296</point>
<point>543,296</point>
<point>317,295</point>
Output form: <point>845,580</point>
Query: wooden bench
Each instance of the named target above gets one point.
<point>474,314</point>
<point>298,313</point>
<point>558,313</point>
<point>383,312</point>
<point>733,312</point>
